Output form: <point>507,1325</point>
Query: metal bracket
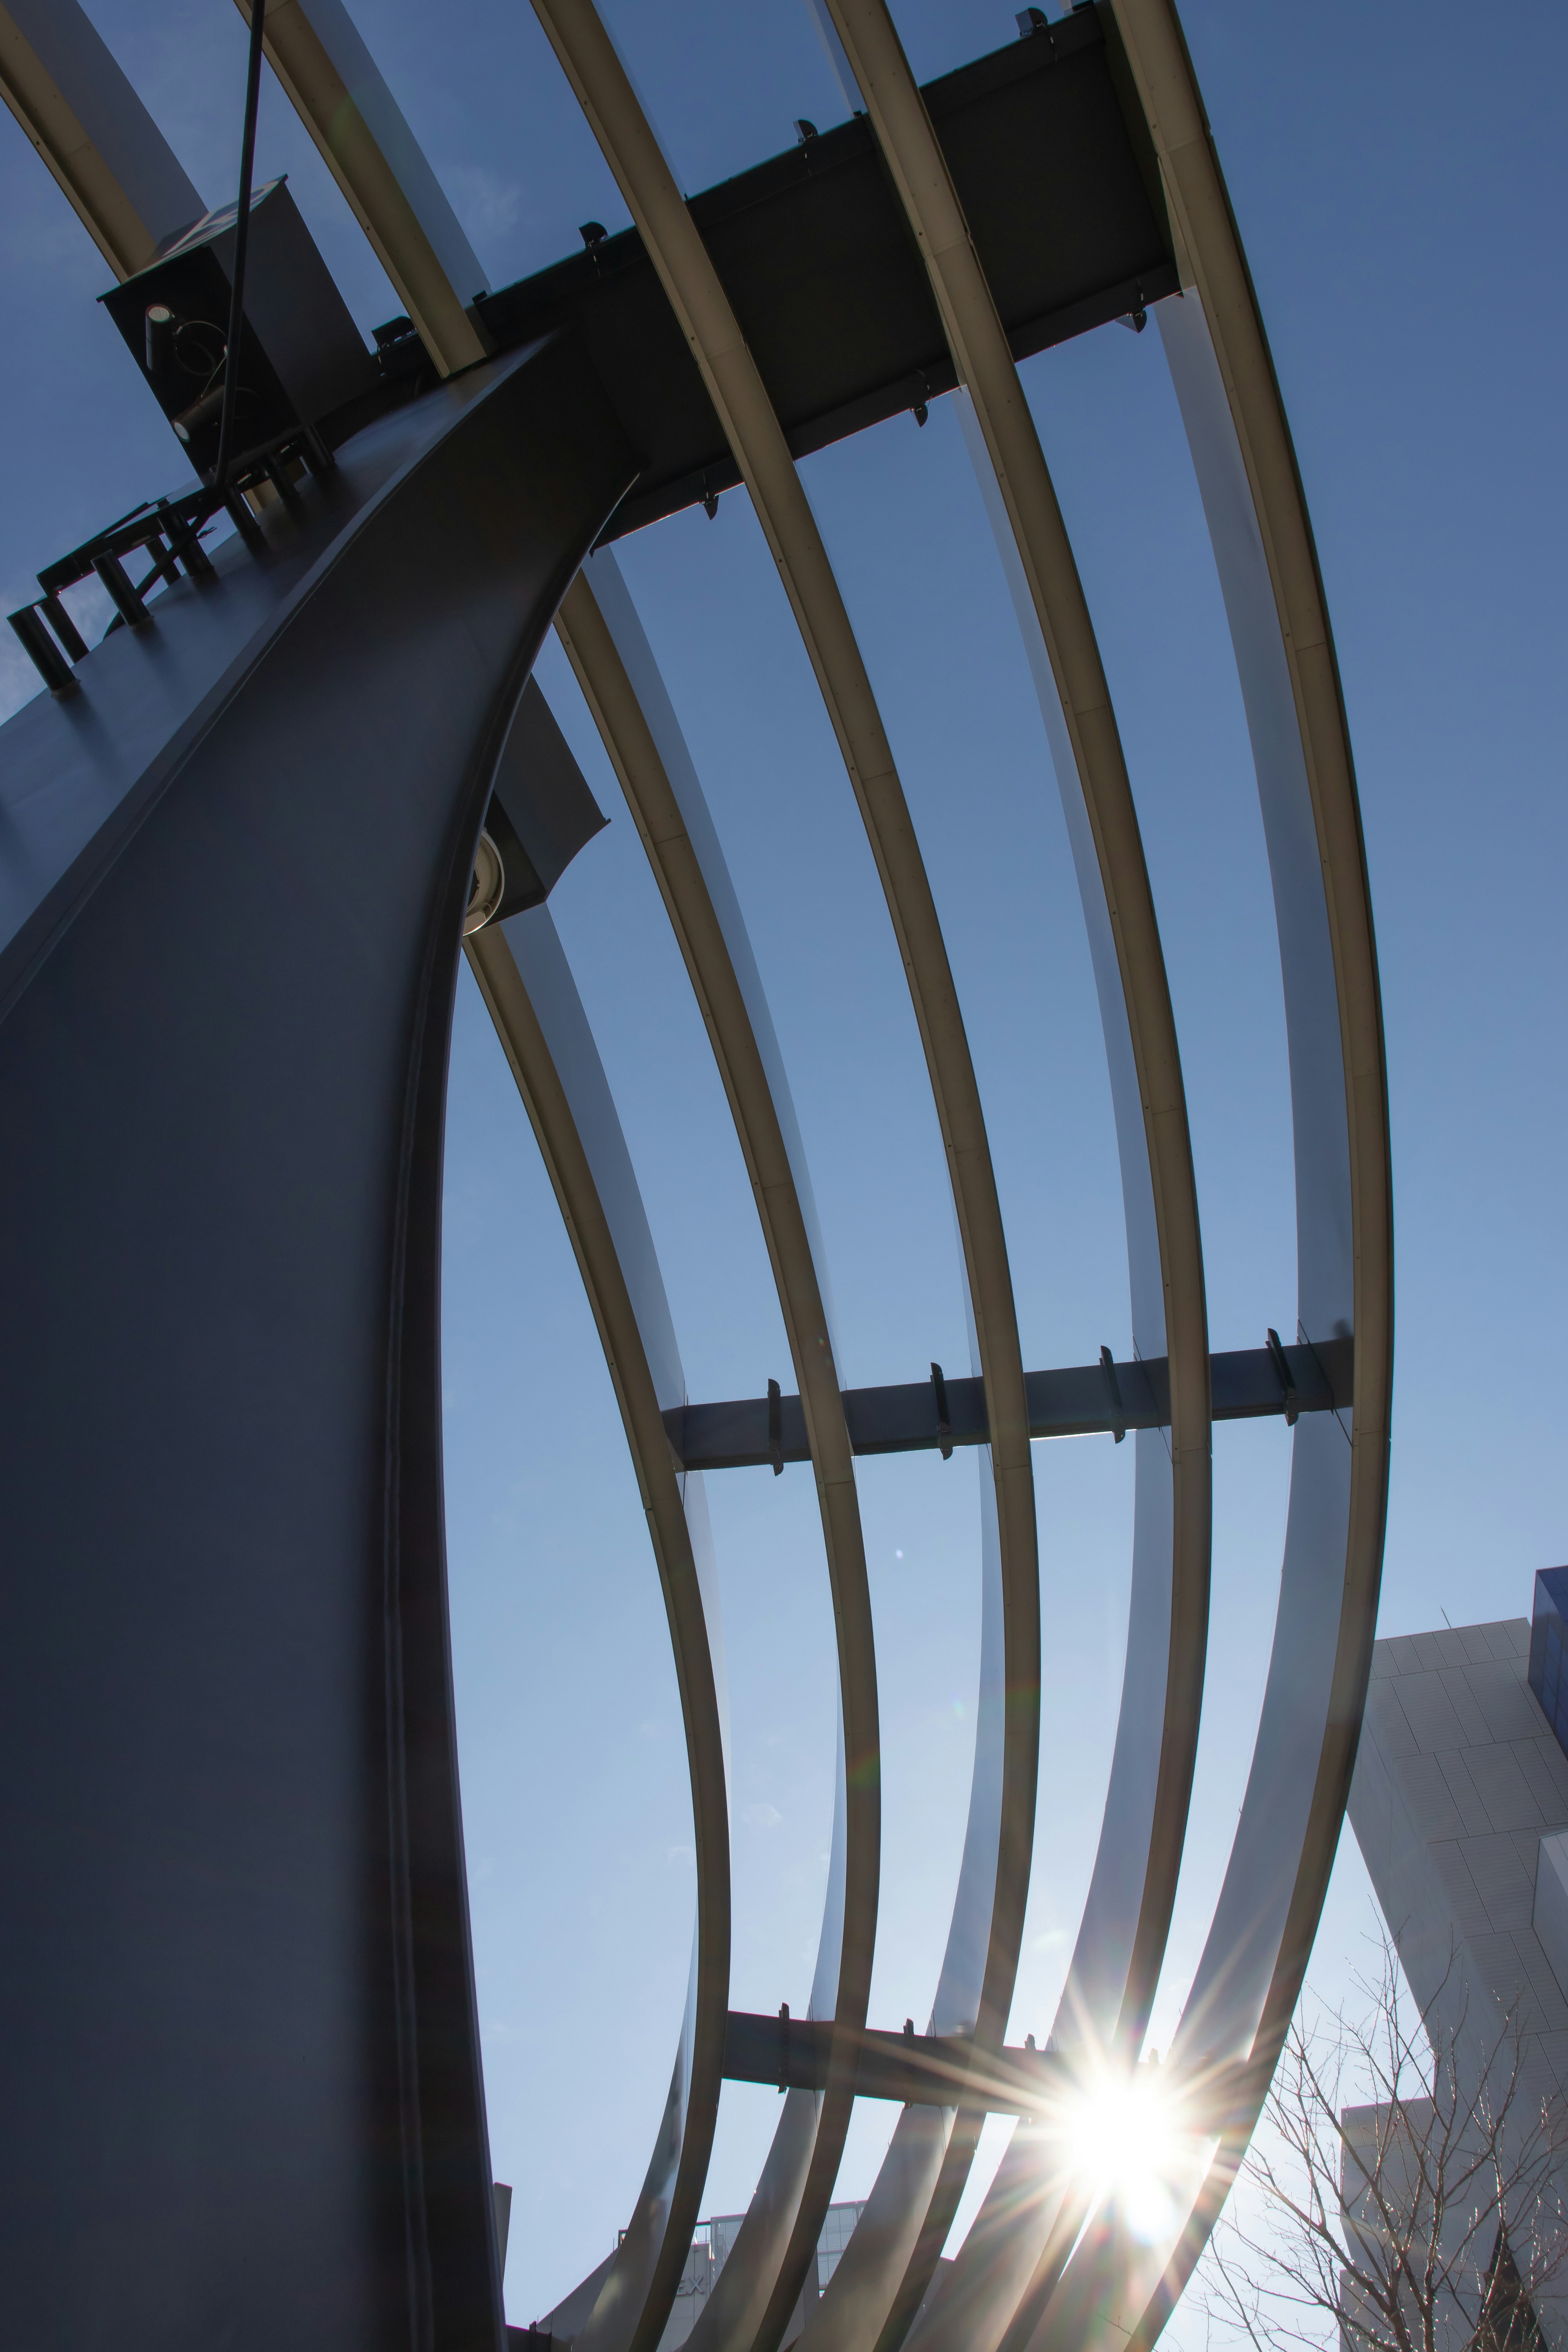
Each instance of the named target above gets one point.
<point>1277,1356</point>
<point>776,1433</point>
<point>1113,1389</point>
<point>943,1418</point>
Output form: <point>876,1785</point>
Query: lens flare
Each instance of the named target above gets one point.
<point>1125,2148</point>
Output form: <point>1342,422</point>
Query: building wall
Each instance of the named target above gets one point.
<point>1458,1779</point>
<point>710,2249</point>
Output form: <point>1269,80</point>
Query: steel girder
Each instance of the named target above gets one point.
<point>241,2071</point>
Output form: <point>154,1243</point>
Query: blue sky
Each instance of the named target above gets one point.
<point>1398,176</point>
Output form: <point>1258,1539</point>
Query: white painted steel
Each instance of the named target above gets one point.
<point>123,180</point>
<point>1122,1937</point>
<point>1251,1970</point>
<point>528,986</point>
<point>756,438</point>
<point>127,187</point>
<point>608,648</point>
<point>340,94</point>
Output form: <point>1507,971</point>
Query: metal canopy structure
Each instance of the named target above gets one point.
<point>1060,191</point>
<point>220,1221</point>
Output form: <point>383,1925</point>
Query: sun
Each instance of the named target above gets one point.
<point>1125,2149</point>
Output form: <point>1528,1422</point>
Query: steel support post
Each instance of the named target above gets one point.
<point>242,2085</point>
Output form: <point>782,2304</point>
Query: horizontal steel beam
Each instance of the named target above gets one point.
<point>1078,1401</point>
<point>918,2069</point>
<point>943,2070</point>
<point>1059,190</point>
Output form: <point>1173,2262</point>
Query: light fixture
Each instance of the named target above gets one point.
<point>486,889</point>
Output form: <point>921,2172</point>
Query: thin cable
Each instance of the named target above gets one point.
<point>241,238</point>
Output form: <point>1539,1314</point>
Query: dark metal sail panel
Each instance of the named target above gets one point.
<point>826,279</point>
<point>241,2079</point>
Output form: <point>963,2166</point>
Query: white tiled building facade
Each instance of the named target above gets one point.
<point>1460,1805</point>
<point>1458,1780</point>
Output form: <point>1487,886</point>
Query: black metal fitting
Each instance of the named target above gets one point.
<point>1113,1389</point>
<point>64,627</point>
<point>943,1418</point>
<point>42,651</point>
<point>123,594</point>
<point>1283,1367</point>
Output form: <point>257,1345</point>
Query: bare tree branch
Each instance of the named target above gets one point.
<point>1429,2218</point>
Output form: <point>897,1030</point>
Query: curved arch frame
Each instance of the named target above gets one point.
<point>532,1001</point>
<point>1248,1980</point>
<point>756,439</point>
<point>1127,1918</point>
<point>603,640</point>
<point>1236,421</point>
<point>1255,1958</point>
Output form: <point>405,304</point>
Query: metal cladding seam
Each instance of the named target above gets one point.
<point>756,438</point>
<point>691,878</point>
<point>986,367</point>
<point>545,1096</point>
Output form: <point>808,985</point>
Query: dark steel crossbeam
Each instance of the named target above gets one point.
<point>936,2070</point>
<point>915,2069</point>
<point>1080,1400</point>
<point>1061,188</point>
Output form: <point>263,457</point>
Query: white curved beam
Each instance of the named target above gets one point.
<point>340,95</point>
<point>757,441</point>
<point>124,182</point>
<point>527,988</point>
<point>1127,1916</point>
<point>1254,1960</point>
<point>603,640</point>
<point>1172,1315</point>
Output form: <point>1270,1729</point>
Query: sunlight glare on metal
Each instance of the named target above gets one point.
<point>1126,2150</point>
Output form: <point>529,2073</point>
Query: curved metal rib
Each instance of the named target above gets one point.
<point>1142,996</point>
<point>338,92</point>
<point>1250,1975</point>
<point>895,2246</point>
<point>757,441</point>
<point>1022,2231</point>
<point>1127,1918</point>
<point>528,987</point>
<point>604,642</point>
<point>122,180</point>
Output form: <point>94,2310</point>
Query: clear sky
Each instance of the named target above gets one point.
<point>1398,176</point>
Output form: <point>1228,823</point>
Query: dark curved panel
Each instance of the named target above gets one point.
<point>241,2079</point>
